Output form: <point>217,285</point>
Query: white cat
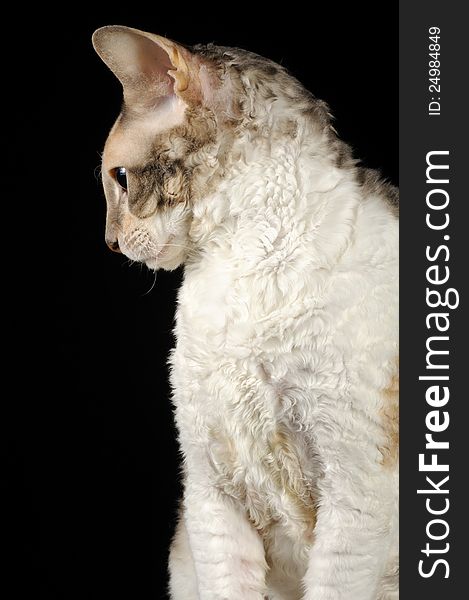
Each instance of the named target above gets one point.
<point>285,369</point>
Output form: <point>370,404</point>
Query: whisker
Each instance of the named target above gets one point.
<point>97,173</point>
<point>152,285</point>
<point>190,249</point>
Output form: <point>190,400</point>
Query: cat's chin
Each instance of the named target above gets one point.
<point>170,257</point>
<point>166,262</point>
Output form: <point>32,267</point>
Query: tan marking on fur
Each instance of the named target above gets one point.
<point>373,184</point>
<point>390,417</point>
<point>283,468</point>
<point>231,479</point>
<point>287,472</point>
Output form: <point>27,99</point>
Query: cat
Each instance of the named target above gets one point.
<point>285,370</point>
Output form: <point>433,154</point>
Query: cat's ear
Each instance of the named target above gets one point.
<point>149,67</point>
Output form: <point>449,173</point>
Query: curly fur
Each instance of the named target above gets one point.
<point>284,375</point>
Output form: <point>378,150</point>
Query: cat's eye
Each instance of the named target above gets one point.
<point>120,174</point>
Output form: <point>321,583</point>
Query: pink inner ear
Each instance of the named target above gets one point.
<point>149,67</point>
<point>154,64</point>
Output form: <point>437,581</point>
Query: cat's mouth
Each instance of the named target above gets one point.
<point>139,247</point>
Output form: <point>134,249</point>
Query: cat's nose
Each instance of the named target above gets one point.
<point>113,245</point>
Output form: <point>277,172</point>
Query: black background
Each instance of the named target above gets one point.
<point>91,475</point>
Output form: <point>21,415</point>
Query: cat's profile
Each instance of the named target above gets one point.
<point>285,370</point>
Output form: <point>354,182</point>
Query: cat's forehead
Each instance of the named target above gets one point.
<point>134,135</point>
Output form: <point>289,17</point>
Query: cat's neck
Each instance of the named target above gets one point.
<point>277,186</point>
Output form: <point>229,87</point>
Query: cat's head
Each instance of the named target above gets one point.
<point>183,111</point>
<point>162,149</point>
